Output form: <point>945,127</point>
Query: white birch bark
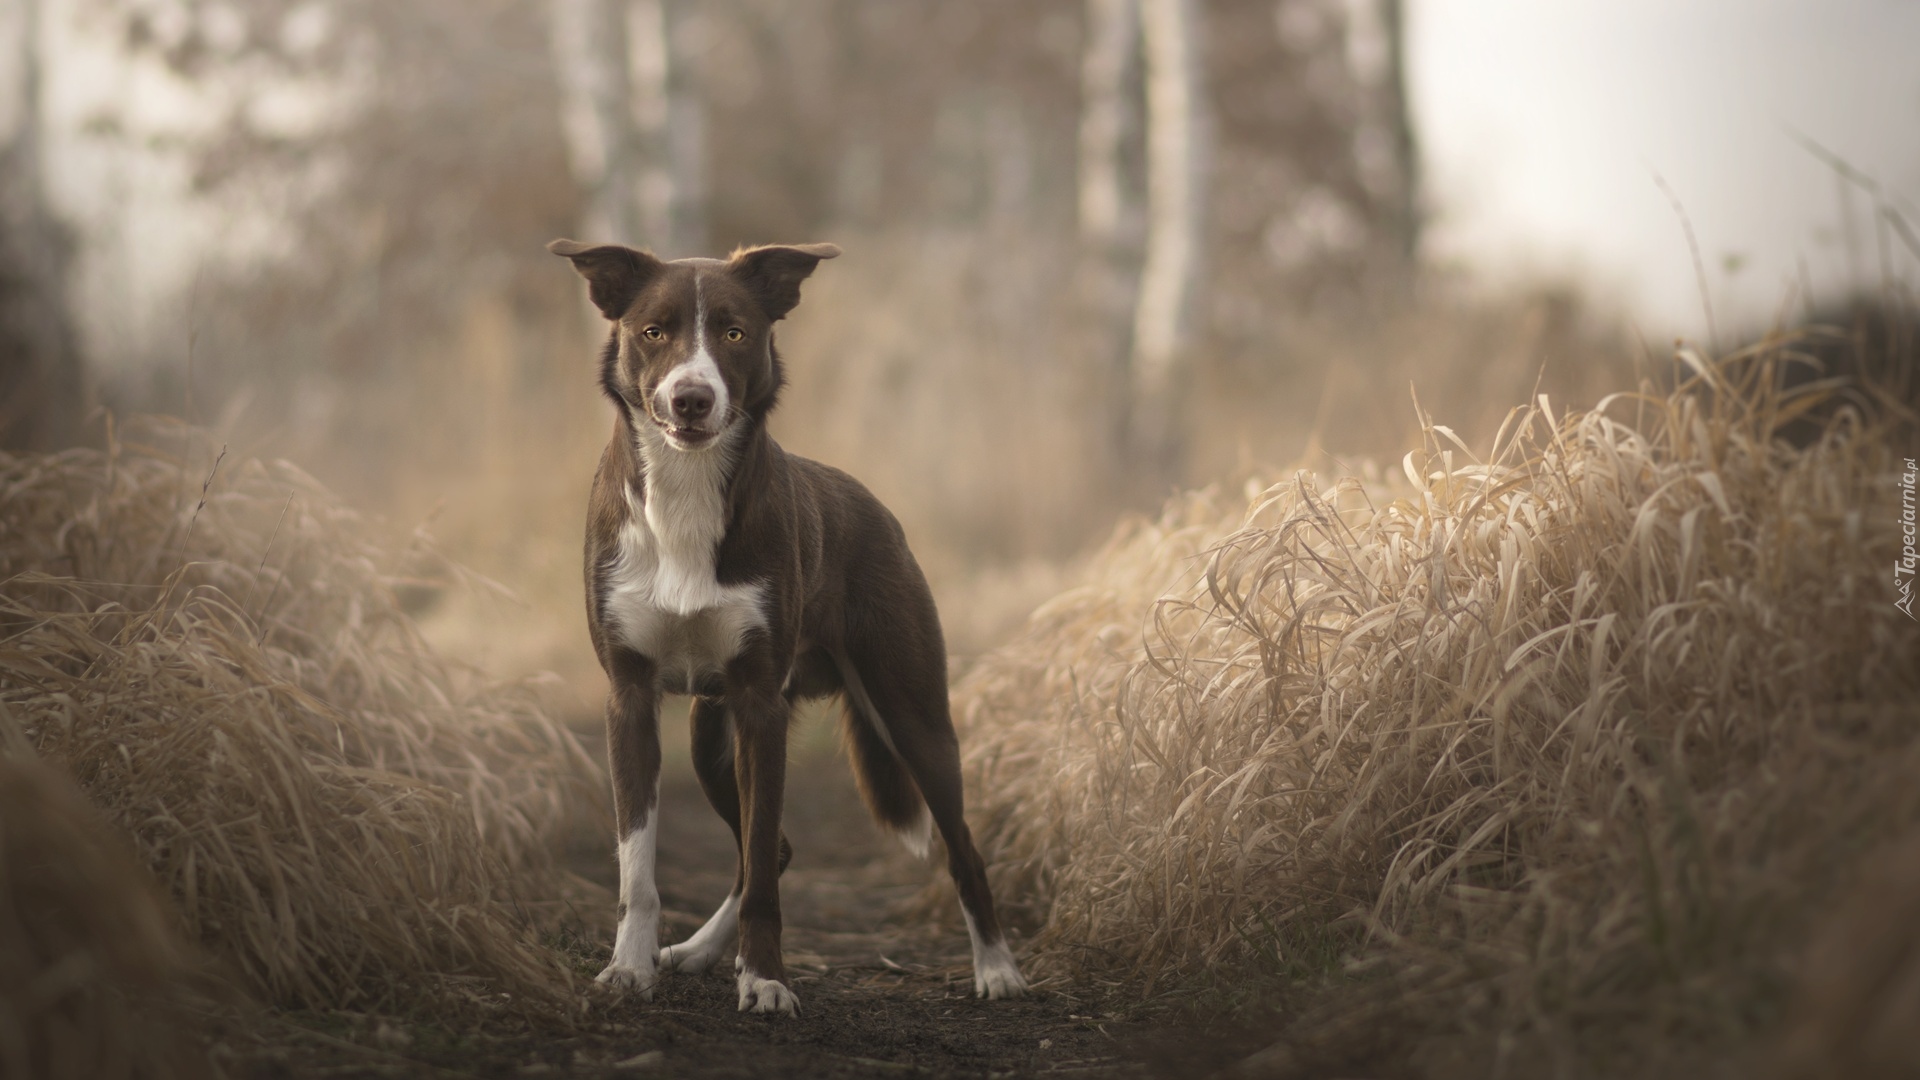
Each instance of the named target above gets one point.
<point>589,42</point>
<point>669,125</point>
<point>1176,126</point>
<point>633,120</point>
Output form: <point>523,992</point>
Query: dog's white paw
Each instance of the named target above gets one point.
<point>766,995</point>
<point>995,975</point>
<point>689,957</point>
<point>739,963</point>
<point>996,983</point>
<point>708,944</point>
<point>627,978</point>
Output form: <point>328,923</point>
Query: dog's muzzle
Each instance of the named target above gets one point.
<point>689,414</point>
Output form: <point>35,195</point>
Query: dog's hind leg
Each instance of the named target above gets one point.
<point>904,693</point>
<point>633,758</point>
<point>712,743</point>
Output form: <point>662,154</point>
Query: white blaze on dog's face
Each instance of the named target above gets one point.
<point>693,347</point>
<point>692,350</point>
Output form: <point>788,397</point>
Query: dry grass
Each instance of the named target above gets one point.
<point>218,656</point>
<point>1552,743</point>
<point>88,952</point>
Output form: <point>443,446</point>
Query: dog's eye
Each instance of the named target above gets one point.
<point>735,334</point>
<point>653,333</point>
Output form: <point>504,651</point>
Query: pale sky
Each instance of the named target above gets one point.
<point>1544,123</point>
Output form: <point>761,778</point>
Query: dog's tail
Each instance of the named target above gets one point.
<point>890,793</point>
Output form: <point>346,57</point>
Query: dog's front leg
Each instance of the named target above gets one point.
<point>760,716</point>
<point>633,757</point>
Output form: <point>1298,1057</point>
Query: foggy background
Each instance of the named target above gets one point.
<point>1095,249</point>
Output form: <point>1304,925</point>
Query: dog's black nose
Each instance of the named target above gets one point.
<point>692,402</point>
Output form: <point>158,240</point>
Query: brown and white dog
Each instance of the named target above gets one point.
<point>721,566</point>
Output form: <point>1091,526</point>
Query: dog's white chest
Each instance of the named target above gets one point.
<point>661,593</point>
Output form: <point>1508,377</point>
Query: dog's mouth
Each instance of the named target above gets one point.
<point>683,436</point>
<point>689,438</point>
<point>686,432</point>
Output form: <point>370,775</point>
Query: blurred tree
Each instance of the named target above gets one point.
<point>1111,214</point>
<point>1163,325</point>
<point>1315,190</point>
<point>1028,193</point>
<point>888,116</point>
<point>1109,84</point>
<point>603,139</point>
<point>683,124</point>
<point>1401,196</point>
<point>42,382</point>
<point>1278,158</point>
<point>634,119</point>
<point>402,163</point>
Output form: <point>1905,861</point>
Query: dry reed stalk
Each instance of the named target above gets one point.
<point>89,956</point>
<point>219,659</point>
<point>1589,725</point>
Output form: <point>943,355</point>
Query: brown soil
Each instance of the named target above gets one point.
<point>884,991</point>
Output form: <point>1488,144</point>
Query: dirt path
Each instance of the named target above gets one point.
<point>884,993</point>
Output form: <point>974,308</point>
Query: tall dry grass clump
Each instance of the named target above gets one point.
<point>1577,732</point>
<point>89,956</point>
<point>217,655</point>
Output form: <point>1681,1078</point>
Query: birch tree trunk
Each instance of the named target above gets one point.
<point>1176,180</point>
<point>590,60</point>
<point>633,119</point>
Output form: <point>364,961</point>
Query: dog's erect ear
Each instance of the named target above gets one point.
<point>773,273</point>
<point>615,274</point>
